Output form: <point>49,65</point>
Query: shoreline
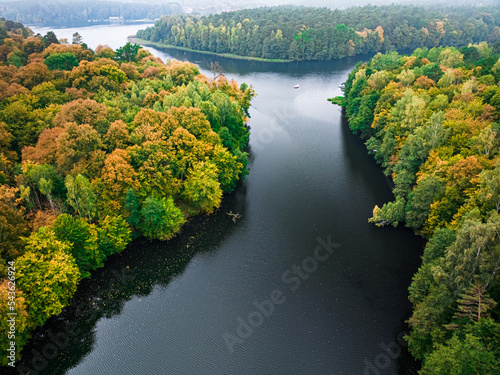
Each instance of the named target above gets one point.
<point>134,39</point>
<point>90,24</point>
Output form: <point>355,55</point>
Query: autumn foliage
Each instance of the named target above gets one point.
<point>97,148</point>
<point>432,122</point>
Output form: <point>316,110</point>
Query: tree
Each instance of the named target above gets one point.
<point>114,234</point>
<point>461,356</point>
<point>475,253</point>
<point>50,38</point>
<point>45,151</point>
<point>423,281</point>
<point>485,141</point>
<point>61,61</point>
<point>85,111</point>
<point>75,145</point>
<point>489,189</point>
<point>228,166</point>
<point>16,58</point>
<point>390,213</point>
<point>105,51</point>
<point>161,219</point>
<point>117,177</point>
<point>77,38</point>
<point>47,274</point>
<point>117,135</point>
<point>216,69</point>
<point>7,156</point>
<point>47,94</point>
<point>193,120</point>
<point>34,74</point>
<point>133,208</point>
<point>80,196</point>
<point>475,302</point>
<point>128,52</point>
<point>420,200</point>
<point>156,171</point>
<point>12,226</point>
<point>43,178</point>
<point>84,242</point>
<point>428,319</point>
<point>202,188</point>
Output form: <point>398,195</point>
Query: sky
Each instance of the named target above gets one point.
<point>253,3</point>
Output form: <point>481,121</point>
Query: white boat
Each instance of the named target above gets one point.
<point>342,86</point>
<point>296,86</point>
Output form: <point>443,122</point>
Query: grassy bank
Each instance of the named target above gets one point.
<point>134,39</point>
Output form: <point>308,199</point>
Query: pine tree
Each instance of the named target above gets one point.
<point>475,302</point>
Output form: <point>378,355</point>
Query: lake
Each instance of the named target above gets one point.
<point>300,284</point>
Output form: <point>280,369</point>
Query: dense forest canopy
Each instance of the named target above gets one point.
<point>97,148</point>
<point>83,13</point>
<point>432,121</point>
<point>301,33</point>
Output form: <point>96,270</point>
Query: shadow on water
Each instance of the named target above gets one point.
<point>358,159</point>
<point>66,339</point>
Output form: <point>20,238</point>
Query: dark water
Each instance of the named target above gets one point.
<point>177,307</point>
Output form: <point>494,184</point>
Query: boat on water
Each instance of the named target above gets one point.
<point>296,86</point>
<point>342,86</point>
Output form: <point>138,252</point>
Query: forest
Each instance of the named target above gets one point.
<point>98,148</point>
<point>85,13</point>
<point>432,121</point>
<point>302,33</point>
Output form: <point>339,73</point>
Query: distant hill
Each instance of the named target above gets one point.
<point>83,13</point>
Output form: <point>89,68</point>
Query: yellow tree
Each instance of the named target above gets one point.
<point>47,274</point>
<point>116,178</point>
<point>202,188</point>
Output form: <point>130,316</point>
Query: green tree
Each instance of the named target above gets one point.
<point>80,196</point>
<point>475,253</point>
<point>161,219</point>
<point>50,38</point>
<point>114,234</point>
<point>489,189</point>
<point>17,59</point>
<point>133,207</point>
<point>128,52</point>
<point>460,357</point>
<point>84,240</point>
<point>390,213</point>
<point>420,199</point>
<point>61,61</point>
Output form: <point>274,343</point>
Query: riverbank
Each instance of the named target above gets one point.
<point>161,46</point>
